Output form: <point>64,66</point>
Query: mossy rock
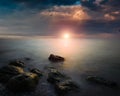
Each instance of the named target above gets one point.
<point>65,87</point>
<point>55,76</point>
<point>17,63</point>
<point>62,83</point>
<point>8,72</point>
<point>36,71</point>
<point>23,82</point>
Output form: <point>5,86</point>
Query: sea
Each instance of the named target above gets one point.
<point>83,58</point>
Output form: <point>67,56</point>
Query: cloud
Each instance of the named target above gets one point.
<point>91,4</point>
<point>101,5</point>
<point>34,4</point>
<point>109,17</point>
<point>47,17</point>
<point>66,12</point>
<point>23,23</point>
<point>45,3</point>
<point>10,6</point>
<point>108,9</point>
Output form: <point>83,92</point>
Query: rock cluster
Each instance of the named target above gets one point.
<point>36,71</point>
<point>8,72</point>
<point>17,63</point>
<point>61,82</point>
<point>23,82</point>
<point>16,79</point>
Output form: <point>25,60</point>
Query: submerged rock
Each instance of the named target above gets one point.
<point>61,82</point>
<point>100,80</point>
<point>8,72</point>
<point>56,58</point>
<point>36,71</point>
<point>23,82</point>
<point>17,63</point>
<point>27,58</point>
<point>55,76</point>
<point>66,86</point>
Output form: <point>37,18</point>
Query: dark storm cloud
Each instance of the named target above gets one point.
<point>98,26</point>
<point>114,3</point>
<point>106,9</point>
<point>93,4</point>
<point>38,4</point>
<point>90,4</point>
<point>8,6</point>
<point>100,4</point>
<point>47,2</point>
<point>35,17</point>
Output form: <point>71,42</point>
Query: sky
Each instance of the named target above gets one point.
<point>50,17</point>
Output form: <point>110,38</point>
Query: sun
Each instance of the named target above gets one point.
<point>66,36</point>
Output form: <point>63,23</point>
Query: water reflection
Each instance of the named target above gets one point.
<point>81,54</point>
<point>65,47</point>
<point>66,43</point>
<point>83,57</point>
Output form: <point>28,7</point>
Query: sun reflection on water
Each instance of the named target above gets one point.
<point>66,43</point>
<point>65,47</point>
<point>75,51</point>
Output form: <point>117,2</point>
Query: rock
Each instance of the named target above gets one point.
<point>66,86</point>
<point>56,58</point>
<point>61,82</point>
<point>102,81</point>
<point>55,76</point>
<point>17,63</point>
<point>36,71</point>
<point>28,59</point>
<point>8,72</point>
<point>23,82</point>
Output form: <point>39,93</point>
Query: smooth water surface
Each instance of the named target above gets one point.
<point>84,57</point>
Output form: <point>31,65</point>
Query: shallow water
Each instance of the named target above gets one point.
<point>84,57</point>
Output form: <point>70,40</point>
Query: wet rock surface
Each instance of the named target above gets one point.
<point>17,63</point>
<point>15,78</point>
<point>36,71</point>
<point>62,83</point>
<point>27,58</point>
<point>56,58</point>
<point>102,81</point>
<point>66,86</point>
<point>23,82</point>
<point>55,76</point>
<point>8,72</point>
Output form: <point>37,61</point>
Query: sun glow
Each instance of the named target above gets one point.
<point>66,36</point>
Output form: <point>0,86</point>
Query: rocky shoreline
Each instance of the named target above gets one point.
<point>16,79</point>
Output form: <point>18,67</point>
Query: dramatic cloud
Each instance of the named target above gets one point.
<point>48,2</point>
<point>34,4</point>
<point>46,17</point>
<point>101,4</point>
<point>66,12</point>
<point>109,8</point>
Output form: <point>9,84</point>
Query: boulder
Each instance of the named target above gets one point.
<point>23,82</point>
<point>56,58</point>
<point>36,71</point>
<point>102,81</point>
<point>55,76</point>
<point>17,63</point>
<point>8,72</point>
<point>66,86</point>
<point>61,82</point>
<point>27,58</point>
